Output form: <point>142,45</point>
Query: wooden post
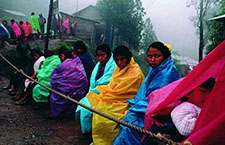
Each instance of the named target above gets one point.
<point>48,25</point>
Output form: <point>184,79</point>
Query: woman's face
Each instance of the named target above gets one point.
<point>198,96</point>
<point>121,61</point>
<point>154,57</point>
<point>36,57</point>
<point>102,57</point>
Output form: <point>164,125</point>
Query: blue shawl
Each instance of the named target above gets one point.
<point>86,115</point>
<point>156,79</point>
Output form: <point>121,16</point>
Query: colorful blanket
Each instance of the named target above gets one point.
<point>34,23</point>
<point>112,100</point>
<point>16,30</point>
<point>210,126</point>
<point>86,115</point>
<point>70,79</point>
<point>40,94</point>
<point>156,79</point>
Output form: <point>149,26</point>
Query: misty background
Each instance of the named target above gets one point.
<point>170,19</point>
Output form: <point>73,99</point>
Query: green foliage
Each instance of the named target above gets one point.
<point>148,35</point>
<point>216,29</point>
<point>124,17</point>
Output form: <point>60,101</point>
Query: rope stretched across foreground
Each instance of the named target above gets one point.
<point>140,130</point>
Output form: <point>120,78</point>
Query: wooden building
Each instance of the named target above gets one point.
<point>85,28</point>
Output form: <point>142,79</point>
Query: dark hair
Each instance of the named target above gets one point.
<point>36,51</point>
<point>162,48</point>
<point>49,53</point>
<point>122,50</point>
<point>12,20</point>
<point>209,84</point>
<point>4,21</point>
<point>80,45</point>
<point>65,51</point>
<point>21,22</point>
<point>105,48</point>
<point>32,13</point>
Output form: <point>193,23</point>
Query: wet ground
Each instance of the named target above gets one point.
<point>30,124</point>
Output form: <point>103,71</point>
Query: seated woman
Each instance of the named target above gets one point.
<point>81,51</point>
<point>184,116</point>
<point>162,72</point>
<point>25,95</point>
<point>41,94</point>
<point>112,99</point>
<point>101,75</point>
<point>178,124</point>
<point>70,79</point>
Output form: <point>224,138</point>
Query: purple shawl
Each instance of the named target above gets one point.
<point>70,79</point>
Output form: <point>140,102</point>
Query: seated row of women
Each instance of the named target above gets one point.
<point>117,87</point>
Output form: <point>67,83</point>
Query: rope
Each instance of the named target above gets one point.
<point>140,130</point>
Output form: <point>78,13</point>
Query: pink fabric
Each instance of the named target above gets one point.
<point>210,126</point>
<point>16,29</point>
<point>25,29</point>
<point>66,24</point>
<point>29,27</point>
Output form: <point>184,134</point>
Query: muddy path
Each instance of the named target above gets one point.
<point>30,124</point>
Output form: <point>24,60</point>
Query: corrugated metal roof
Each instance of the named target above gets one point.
<point>14,13</point>
<point>218,17</point>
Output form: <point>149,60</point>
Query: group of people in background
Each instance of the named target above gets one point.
<point>20,32</point>
<point>115,86</point>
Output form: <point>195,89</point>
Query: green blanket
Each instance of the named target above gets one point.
<point>40,94</point>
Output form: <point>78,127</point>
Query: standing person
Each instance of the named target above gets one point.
<point>66,25</point>
<point>25,29</point>
<point>29,29</point>
<point>101,75</point>
<point>4,35</point>
<point>42,22</point>
<point>12,33</point>
<point>162,72</point>
<point>16,29</point>
<point>73,28</point>
<point>35,24</point>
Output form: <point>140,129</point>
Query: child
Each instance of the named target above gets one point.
<point>184,116</point>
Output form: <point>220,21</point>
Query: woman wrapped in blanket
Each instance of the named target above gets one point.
<point>24,96</point>
<point>70,79</point>
<point>162,72</point>
<point>112,98</point>
<point>101,75</point>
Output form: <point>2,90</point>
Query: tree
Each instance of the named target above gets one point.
<point>124,20</point>
<point>148,35</point>
<point>216,28</point>
<point>201,8</point>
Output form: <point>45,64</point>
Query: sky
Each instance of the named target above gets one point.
<point>170,19</point>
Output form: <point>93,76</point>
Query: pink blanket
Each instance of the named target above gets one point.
<point>210,126</point>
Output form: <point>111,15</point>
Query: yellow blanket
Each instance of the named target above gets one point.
<point>112,100</point>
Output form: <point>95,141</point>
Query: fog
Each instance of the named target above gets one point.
<point>170,19</point>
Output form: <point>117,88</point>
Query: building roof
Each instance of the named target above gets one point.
<point>14,13</point>
<point>221,17</point>
<point>78,17</point>
<point>84,9</point>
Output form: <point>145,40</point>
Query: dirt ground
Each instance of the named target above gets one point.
<point>31,125</point>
